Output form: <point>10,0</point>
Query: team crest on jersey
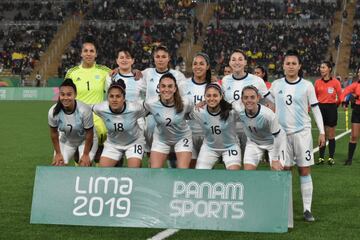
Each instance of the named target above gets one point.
<point>97,77</point>
<point>78,79</point>
<point>206,123</point>
<point>189,93</point>
<point>280,92</point>
<point>157,114</point>
<point>151,80</point>
<point>330,90</point>
<point>229,88</point>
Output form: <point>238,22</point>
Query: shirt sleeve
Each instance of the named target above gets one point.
<point>52,121</point>
<point>347,90</point>
<point>312,99</point>
<point>88,118</point>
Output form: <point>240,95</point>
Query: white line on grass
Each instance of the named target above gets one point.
<point>164,234</point>
<point>168,232</point>
<point>336,138</point>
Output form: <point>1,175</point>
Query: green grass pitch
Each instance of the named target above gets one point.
<point>25,144</point>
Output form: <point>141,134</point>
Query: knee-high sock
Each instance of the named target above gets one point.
<point>322,151</point>
<point>352,147</point>
<point>331,147</point>
<point>306,186</point>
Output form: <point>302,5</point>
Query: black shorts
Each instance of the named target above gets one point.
<point>355,116</point>
<point>329,114</point>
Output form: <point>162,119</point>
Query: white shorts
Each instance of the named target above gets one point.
<point>254,153</point>
<point>183,145</point>
<point>208,157</point>
<point>300,149</point>
<point>197,143</point>
<point>69,151</point>
<point>116,152</point>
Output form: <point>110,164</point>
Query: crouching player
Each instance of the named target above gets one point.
<point>124,134</point>
<point>263,131</point>
<point>218,121</point>
<point>71,128</point>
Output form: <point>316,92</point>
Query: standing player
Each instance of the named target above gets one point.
<point>150,85</point>
<point>171,131</point>
<point>194,89</point>
<point>71,128</point>
<point>124,134</point>
<point>125,61</point>
<point>218,121</point>
<point>233,85</point>
<point>261,72</point>
<point>263,131</point>
<point>90,80</point>
<point>328,92</point>
<point>353,89</point>
<point>293,96</point>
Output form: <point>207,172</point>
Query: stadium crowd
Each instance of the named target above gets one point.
<point>115,9</point>
<point>266,43</point>
<point>276,9</point>
<point>28,29</point>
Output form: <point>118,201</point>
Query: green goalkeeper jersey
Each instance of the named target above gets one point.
<point>90,82</point>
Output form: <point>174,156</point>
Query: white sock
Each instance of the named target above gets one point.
<point>306,191</point>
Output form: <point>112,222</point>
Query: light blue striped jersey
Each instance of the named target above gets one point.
<point>151,78</point>
<point>122,128</point>
<point>72,126</point>
<point>170,126</point>
<point>233,86</point>
<point>219,134</point>
<point>261,127</point>
<point>292,102</point>
<point>133,87</point>
<point>195,93</point>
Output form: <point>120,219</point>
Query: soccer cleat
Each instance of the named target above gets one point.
<point>308,217</point>
<point>320,161</point>
<point>348,163</point>
<point>331,161</point>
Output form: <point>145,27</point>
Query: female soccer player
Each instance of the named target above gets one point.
<point>293,96</point>
<point>328,92</point>
<point>218,121</point>
<point>125,61</point>
<point>150,84</point>
<point>233,85</point>
<point>171,131</point>
<point>353,89</point>
<point>194,89</point>
<point>124,134</point>
<point>261,72</point>
<point>71,128</point>
<point>90,80</point>
<point>263,132</point>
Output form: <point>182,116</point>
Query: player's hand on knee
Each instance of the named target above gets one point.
<point>85,160</point>
<point>58,160</point>
<point>276,165</point>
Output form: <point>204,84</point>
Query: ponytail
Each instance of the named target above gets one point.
<point>68,83</point>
